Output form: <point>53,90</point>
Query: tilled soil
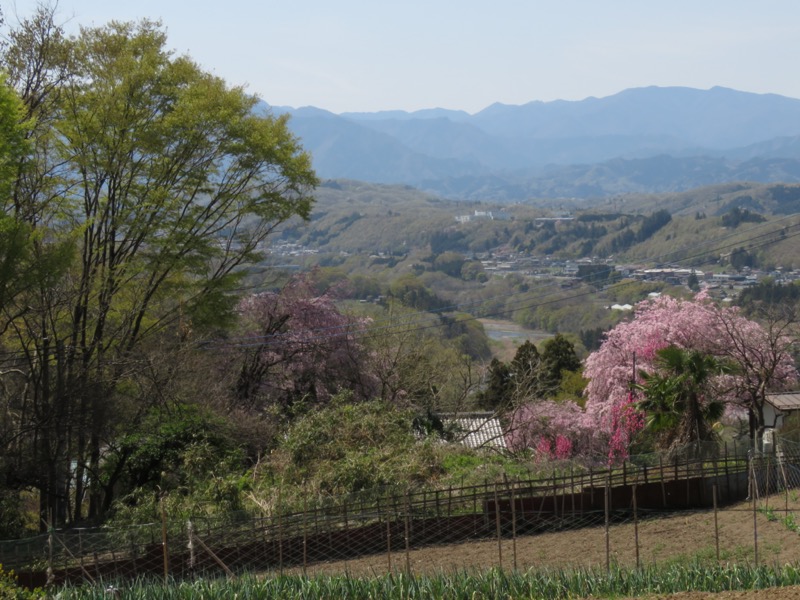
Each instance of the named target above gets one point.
<point>744,537</point>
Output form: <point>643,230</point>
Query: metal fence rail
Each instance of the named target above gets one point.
<point>509,522</point>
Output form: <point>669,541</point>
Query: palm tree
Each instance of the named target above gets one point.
<point>679,399</point>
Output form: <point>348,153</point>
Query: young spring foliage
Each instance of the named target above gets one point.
<point>165,182</point>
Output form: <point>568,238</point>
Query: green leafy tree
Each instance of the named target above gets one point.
<point>498,386</point>
<point>167,183</point>
<point>558,356</point>
<point>449,263</point>
<point>413,293</point>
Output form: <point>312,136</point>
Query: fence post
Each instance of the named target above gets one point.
<point>190,545</point>
<point>636,525</point>
<point>608,540</point>
<point>767,484</point>
<point>164,541</point>
<point>755,521</point>
<point>663,483</point>
<point>572,486</point>
<point>514,527</point>
<point>785,491</point>
<point>407,536</point>
<point>388,534</point>
<point>346,532</point>
<point>716,522</point>
<point>280,540</point>
<point>424,516</point>
<point>50,570</point>
<point>727,475</point>
<point>497,523</point>
<point>305,533</point>
<point>449,501</point>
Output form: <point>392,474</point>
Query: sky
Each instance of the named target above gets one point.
<point>372,55</point>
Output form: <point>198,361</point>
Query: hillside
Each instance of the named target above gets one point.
<point>356,218</point>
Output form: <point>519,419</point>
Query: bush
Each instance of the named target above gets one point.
<point>11,590</point>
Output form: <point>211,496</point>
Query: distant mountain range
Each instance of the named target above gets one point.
<point>650,139</point>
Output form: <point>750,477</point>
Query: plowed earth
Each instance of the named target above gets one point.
<point>744,537</point>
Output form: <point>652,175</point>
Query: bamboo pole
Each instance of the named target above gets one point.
<point>190,534</point>
<point>407,536</point>
<point>216,558</point>
<point>164,542</point>
<point>716,521</point>
<point>388,536</point>
<point>636,526</point>
<point>755,521</point>
<point>514,527</point>
<point>305,534</point>
<point>497,523</point>
<point>572,487</point>
<point>608,539</point>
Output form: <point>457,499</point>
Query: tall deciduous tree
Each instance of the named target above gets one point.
<point>167,183</point>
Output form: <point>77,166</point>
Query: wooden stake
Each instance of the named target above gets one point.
<point>164,545</point>
<point>497,522</point>
<point>608,540</point>
<point>716,522</point>
<point>636,526</point>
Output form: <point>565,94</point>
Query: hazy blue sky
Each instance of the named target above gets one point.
<point>367,55</point>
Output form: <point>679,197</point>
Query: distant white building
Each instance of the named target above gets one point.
<point>492,215</point>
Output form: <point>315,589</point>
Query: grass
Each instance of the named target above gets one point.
<point>618,582</point>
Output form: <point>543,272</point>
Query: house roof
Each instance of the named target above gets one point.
<point>785,401</point>
<point>480,431</point>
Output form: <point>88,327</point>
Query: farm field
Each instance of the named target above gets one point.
<point>674,542</point>
<point>675,538</point>
<point>663,538</point>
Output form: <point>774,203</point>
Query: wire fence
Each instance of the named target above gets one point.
<point>723,507</point>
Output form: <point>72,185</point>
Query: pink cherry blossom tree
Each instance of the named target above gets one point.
<point>295,345</point>
<point>761,354</point>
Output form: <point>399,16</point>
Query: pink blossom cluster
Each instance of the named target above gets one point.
<point>556,430</point>
<point>698,324</point>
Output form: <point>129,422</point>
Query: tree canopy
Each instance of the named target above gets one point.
<point>154,183</point>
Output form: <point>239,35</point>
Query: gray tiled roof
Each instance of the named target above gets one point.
<point>480,431</point>
<point>785,401</point>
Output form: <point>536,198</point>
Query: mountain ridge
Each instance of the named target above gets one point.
<point>506,152</point>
